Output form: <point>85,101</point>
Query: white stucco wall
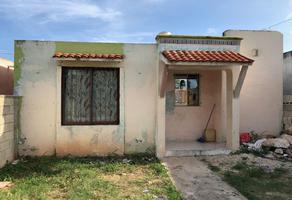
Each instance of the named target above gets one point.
<point>40,120</point>
<point>91,140</point>
<point>140,97</point>
<point>37,86</point>
<point>262,92</point>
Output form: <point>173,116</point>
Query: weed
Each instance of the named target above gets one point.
<point>254,136</point>
<point>245,149</point>
<point>239,166</point>
<point>213,167</point>
<point>255,184</point>
<point>88,178</point>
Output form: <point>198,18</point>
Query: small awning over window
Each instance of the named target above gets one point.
<point>88,56</point>
<point>175,56</point>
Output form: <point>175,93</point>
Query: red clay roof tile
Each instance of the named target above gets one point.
<point>205,56</point>
<point>88,55</point>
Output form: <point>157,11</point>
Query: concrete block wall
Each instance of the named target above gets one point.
<point>8,118</point>
<point>287,111</point>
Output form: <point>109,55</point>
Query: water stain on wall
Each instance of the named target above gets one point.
<point>94,139</point>
<point>170,102</point>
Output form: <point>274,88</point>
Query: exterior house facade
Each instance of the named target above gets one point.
<point>6,77</point>
<point>287,91</point>
<point>115,98</point>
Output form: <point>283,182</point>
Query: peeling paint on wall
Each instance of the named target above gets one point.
<point>94,139</point>
<point>117,137</point>
<point>17,126</point>
<point>18,60</point>
<point>140,92</point>
<point>86,47</point>
<point>35,80</point>
<point>141,144</point>
<point>40,85</point>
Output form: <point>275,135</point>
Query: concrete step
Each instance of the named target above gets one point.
<point>196,152</point>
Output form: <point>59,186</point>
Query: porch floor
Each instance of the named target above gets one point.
<point>194,148</point>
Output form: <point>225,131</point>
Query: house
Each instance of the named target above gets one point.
<point>6,77</point>
<point>287,90</point>
<point>83,98</point>
<point>287,73</point>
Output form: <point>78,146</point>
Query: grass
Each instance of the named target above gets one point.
<point>244,149</point>
<point>134,177</point>
<point>256,184</point>
<point>213,167</point>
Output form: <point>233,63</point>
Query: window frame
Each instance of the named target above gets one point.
<point>188,76</point>
<point>91,122</point>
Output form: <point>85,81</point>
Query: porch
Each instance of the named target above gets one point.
<point>195,148</point>
<point>218,84</point>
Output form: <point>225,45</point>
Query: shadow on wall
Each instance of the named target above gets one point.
<point>6,80</point>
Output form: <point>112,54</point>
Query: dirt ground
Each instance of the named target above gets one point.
<point>254,177</point>
<point>226,162</point>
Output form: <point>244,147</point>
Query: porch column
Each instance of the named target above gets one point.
<point>232,136</point>
<point>160,132</point>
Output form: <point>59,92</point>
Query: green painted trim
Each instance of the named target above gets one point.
<point>197,37</point>
<point>89,47</point>
<point>18,60</point>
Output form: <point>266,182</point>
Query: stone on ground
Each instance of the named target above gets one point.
<point>276,142</point>
<point>287,137</point>
<point>279,151</point>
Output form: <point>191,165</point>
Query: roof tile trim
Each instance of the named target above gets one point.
<point>88,55</point>
<point>205,56</point>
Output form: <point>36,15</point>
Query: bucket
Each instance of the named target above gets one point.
<point>210,135</point>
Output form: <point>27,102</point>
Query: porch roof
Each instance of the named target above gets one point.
<point>188,56</point>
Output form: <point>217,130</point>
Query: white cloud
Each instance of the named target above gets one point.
<point>290,14</point>
<point>57,10</point>
<point>212,31</point>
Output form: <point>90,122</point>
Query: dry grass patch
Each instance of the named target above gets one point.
<point>255,177</point>
<point>135,177</point>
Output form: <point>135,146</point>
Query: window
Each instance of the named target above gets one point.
<point>90,96</point>
<point>187,90</point>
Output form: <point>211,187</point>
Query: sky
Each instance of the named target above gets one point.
<point>135,20</point>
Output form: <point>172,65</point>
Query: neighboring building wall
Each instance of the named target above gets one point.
<point>8,118</point>
<point>187,123</point>
<point>287,73</point>
<point>287,90</point>
<point>262,93</point>
<point>287,112</point>
<point>6,77</point>
<point>39,81</point>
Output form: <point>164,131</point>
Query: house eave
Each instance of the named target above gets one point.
<point>90,59</point>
